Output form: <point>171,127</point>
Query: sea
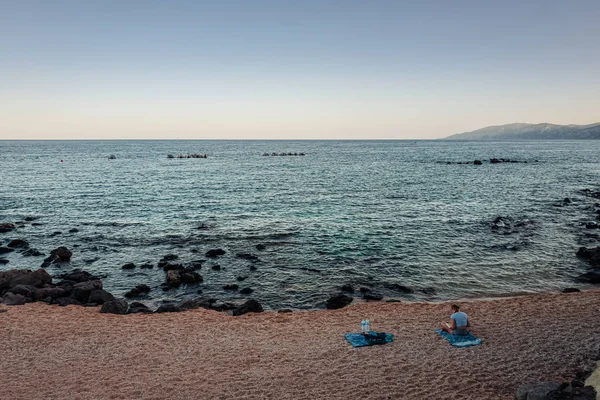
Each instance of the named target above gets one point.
<point>405,219</point>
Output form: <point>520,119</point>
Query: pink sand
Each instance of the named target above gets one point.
<point>50,352</point>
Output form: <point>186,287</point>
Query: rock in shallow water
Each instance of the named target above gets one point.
<point>18,244</point>
<point>338,301</point>
<point>139,290</point>
<point>6,227</point>
<point>214,253</point>
<point>592,255</point>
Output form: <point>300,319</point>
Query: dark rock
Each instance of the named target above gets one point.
<point>139,290</point>
<point>36,224</point>
<point>128,266</point>
<point>214,253</point>
<point>589,277</point>
<point>78,276</point>
<point>15,277</point>
<point>364,290</point>
<point>592,255</point>
<point>3,261</point>
<point>147,266</point>
<point>393,301</point>
<point>191,277</point>
<point>347,288</point>
<point>231,287</point>
<point>51,292</point>
<point>81,291</point>
<point>536,391</point>
<point>60,254</point>
<point>196,265</point>
<point>249,306</point>
<point>18,244</point>
<point>216,267</point>
<point>494,161</point>
<point>116,306</point>
<point>29,219</point>
<point>571,290</point>
<point>372,296</point>
<point>4,250</point>
<point>67,286</point>
<point>73,230</point>
<point>170,257</point>
<point>65,301</point>
<point>56,233</point>
<point>173,278</point>
<point>246,290</point>
<point>193,304</point>
<point>285,310</point>
<point>477,162</point>
<point>338,301</point>
<point>6,227</point>
<point>247,256</point>
<point>168,308</point>
<point>32,253</point>
<point>260,246</point>
<point>12,299</point>
<point>23,290</point>
<point>224,306</point>
<point>252,268</point>
<point>399,288</point>
<point>138,308</point>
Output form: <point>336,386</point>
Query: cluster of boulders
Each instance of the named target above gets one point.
<point>491,161</point>
<point>25,286</point>
<point>592,254</point>
<point>18,245</point>
<point>570,390</point>
<point>282,154</point>
<point>194,155</point>
<point>81,288</point>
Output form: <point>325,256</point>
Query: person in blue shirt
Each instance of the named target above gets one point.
<point>459,322</point>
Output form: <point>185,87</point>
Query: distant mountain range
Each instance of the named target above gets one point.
<point>531,132</point>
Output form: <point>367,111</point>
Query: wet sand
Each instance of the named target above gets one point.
<point>51,352</point>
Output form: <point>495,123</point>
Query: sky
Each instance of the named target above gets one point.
<point>307,69</point>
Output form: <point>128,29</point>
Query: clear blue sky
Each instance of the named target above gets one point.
<point>293,69</point>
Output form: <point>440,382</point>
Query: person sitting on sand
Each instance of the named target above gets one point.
<point>459,324</point>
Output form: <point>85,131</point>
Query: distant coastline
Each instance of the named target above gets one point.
<point>520,131</point>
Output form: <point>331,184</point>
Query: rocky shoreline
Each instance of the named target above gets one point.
<point>187,275</point>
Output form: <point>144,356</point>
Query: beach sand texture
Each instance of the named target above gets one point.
<point>50,352</point>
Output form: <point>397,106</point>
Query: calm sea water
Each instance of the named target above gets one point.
<point>366,213</point>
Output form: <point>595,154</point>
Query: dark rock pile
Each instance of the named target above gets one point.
<point>570,390</point>
<point>25,286</point>
<point>265,154</point>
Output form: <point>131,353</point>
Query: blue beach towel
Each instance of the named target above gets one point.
<point>459,341</point>
<point>359,340</point>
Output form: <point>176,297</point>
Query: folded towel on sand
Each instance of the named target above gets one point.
<point>360,340</point>
<point>459,341</point>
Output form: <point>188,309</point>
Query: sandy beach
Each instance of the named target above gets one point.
<point>51,352</point>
